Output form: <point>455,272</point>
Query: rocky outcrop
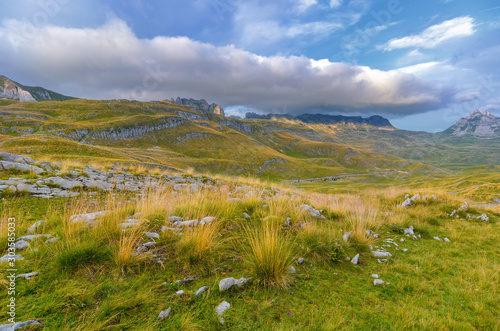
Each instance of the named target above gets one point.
<point>376,120</point>
<point>12,90</point>
<point>201,106</point>
<point>480,124</point>
<point>269,116</point>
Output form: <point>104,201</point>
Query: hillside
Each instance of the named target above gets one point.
<point>10,89</point>
<point>179,137</point>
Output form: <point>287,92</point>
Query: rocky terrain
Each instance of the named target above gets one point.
<point>12,90</point>
<point>480,124</point>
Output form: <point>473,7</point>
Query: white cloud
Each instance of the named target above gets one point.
<point>335,3</point>
<point>303,5</point>
<point>111,62</point>
<point>435,35</point>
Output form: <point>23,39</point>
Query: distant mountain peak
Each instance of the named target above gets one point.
<point>479,123</point>
<point>10,89</point>
<point>479,113</point>
<point>375,120</point>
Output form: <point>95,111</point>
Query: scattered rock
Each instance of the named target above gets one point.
<point>164,314</point>
<point>184,281</point>
<point>18,325</point>
<point>8,258</point>
<point>447,240</point>
<point>245,215</point>
<point>374,276</point>
<point>300,260</point>
<point>152,235</point>
<point>32,237</point>
<point>437,238</point>
<point>179,224</point>
<point>89,218</point>
<point>313,212</point>
<point>378,254</point>
<point>406,203</point>
<point>291,269</point>
<point>174,219</point>
<point>483,218</point>
<point>226,283</point>
<point>35,225</point>
<point>28,276</point>
<point>355,259</point>
<point>378,282</point>
<point>201,290</point>
<point>21,245</point>
<point>221,308</point>
<point>207,220</point>
<point>180,292</point>
<point>52,240</point>
<point>409,230</point>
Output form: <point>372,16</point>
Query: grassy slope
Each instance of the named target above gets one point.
<point>435,285</point>
<point>272,150</point>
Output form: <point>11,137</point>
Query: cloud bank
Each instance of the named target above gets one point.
<point>111,62</point>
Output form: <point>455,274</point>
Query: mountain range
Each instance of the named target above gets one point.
<point>188,133</point>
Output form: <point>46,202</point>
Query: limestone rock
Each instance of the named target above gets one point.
<point>164,314</point>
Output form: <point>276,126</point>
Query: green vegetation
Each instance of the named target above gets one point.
<point>93,279</point>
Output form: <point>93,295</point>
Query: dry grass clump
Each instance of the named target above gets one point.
<point>199,244</point>
<point>321,240</point>
<point>270,254</point>
<point>125,255</point>
<point>361,222</point>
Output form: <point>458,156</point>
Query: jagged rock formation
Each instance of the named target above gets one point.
<point>375,120</point>
<point>201,106</point>
<point>10,89</point>
<point>480,124</point>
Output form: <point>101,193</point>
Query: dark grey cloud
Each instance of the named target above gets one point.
<point>111,62</point>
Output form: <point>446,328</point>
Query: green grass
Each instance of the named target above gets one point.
<point>84,285</point>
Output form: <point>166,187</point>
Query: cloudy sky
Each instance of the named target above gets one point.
<point>423,64</point>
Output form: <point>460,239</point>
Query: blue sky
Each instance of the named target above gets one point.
<point>423,64</point>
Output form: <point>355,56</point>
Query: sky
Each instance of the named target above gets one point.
<point>422,64</point>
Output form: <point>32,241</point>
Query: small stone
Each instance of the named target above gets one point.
<point>35,225</point>
<point>22,245</point>
<point>201,290</point>
<point>447,240</point>
<point>402,240</point>
<point>406,203</point>
<point>164,314</point>
<point>184,281</point>
<point>221,308</point>
<point>174,219</point>
<point>18,325</point>
<point>28,276</point>
<point>179,292</point>
<point>207,220</point>
<point>300,260</point>
<point>409,230</point>
<point>288,221</point>
<point>52,240</point>
<point>381,254</point>
<point>245,215</point>
<point>226,283</point>
<point>152,235</point>
<point>378,282</point>
<point>8,258</point>
<point>405,249</point>
<point>437,238</point>
<point>374,276</point>
<point>291,270</point>
<point>355,259</point>
<point>241,281</point>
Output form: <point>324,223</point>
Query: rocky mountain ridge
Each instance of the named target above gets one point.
<point>376,120</point>
<point>201,106</point>
<point>10,89</point>
<point>479,124</point>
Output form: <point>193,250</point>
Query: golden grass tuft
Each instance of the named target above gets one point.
<point>270,254</point>
<point>199,244</point>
